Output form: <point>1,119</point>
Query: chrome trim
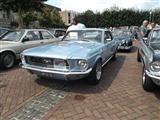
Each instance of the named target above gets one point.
<point>57,72</point>
<point>152,75</point>
<point>107,61</point>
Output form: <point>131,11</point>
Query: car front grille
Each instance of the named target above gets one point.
<point>40,62</point>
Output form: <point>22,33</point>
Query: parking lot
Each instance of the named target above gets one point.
<point>119,96</point>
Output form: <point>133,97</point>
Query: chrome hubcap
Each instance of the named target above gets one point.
<point>98,71</point>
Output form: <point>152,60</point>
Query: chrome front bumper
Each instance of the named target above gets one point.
<point>60,75</point>
<point>154,76</point>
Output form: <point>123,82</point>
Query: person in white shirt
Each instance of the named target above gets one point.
<point>76,25</point>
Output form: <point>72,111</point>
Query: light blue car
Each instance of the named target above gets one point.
<point>80,54</point>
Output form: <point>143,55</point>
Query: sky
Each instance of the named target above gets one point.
<point>101,5</point>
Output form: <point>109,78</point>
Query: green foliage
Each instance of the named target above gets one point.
<point>50,19</point>
<point>29,17</point>
<point>116,17</point>
<point>21,6</point>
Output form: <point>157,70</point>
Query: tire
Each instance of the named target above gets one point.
<point>7,60</point>
<point>96,73</point>
<point>147,83</point>
<point>138,57</point>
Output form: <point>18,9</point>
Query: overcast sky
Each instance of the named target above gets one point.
<point>100,5</point>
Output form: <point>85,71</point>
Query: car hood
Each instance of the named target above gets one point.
<point>64,50</point>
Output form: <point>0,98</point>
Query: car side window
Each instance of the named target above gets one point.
<point>59,33</point>
<point>107,36</point>
<point>46,35</point>
<point>33,35</point>
<point>155,37</point>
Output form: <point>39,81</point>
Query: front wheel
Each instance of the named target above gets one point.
<point>147,83</point>
<point>7,60</point>
<point>96,74</point>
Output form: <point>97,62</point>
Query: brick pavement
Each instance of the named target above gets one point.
<point>119,96</point>
<point>18,87</point>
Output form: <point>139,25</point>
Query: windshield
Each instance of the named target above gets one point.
<point>13,36</point>
<point>121,33</point>
<point>88,35</point>
<point>3,31</point>
<point>155,37</point>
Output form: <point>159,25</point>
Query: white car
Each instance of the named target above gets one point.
<point>13,43</point>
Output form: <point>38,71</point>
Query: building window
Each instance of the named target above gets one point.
<point>69,17</point>
<point>4,16</point>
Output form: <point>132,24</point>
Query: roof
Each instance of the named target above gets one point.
<point>53,7</point>
<point>32,29</point>
<point>100,29</point>
<point>157,28</point>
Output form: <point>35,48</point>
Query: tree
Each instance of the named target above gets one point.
<point>115,17</point>
<point>50,19</point>
<point>21,6</point>
<point>29,17</point>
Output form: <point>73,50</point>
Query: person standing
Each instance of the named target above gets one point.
<point>76,25</point>
<point>143,28</point>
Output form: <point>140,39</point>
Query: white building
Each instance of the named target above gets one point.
<point>68,16</point>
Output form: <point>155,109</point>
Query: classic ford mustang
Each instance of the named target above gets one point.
<point>81,53</point>
<point>124,38</point>
<point>149,55</point>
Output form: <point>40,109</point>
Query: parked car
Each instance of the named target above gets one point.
<point>4,31</point>
<point>149,55</point>
<point>58,32</point>
<point>124,39</point>
<point>80,54</point>
<point>13,43</point>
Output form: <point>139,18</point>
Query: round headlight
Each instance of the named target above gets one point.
<point>155,66</point>
<point>83,64</point>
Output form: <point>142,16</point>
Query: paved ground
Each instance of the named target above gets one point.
<point>119,96</point>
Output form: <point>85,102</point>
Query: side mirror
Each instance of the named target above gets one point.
<point>25,39</point>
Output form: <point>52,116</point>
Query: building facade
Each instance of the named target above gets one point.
<point>6,19</point>
<point>68,16</point>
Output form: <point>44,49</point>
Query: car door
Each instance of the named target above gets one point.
<point>143,48</point>
<point>108,45</point>
<point>30,39</point>
<point>47,37</point>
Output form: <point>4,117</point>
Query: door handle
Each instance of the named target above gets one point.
<point>41,42</point>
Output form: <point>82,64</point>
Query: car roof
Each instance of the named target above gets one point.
<point>157,28</point>
<point>32,29</point>
<point>100,29</point>
<point>57,29</point>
